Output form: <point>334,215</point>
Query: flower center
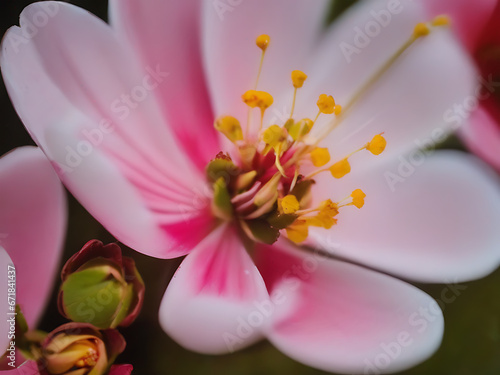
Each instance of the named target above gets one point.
<point>89,356</point>
<point>268,189</point>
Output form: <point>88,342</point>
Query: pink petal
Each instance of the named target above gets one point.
<point>482,136</point>
<point>430,218</point>
<point>121,169</point>
<point>175,27</point>
<point>142,213</point>
<point>27,368</point>
<point>343,318</point>
<point>469,17</point>
<point>32,225</point>
<point>232,58</point>
<point>68,53</point>
<point>121,370</point>
<point>209,305</point>
<point>427,81</point>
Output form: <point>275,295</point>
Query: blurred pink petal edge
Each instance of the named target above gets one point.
<point>478,29</point>
<point>32,222</point>
<point>143,176</point>
<point>27,368</point>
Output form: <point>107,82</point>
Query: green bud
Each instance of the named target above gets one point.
<point>100,287</point>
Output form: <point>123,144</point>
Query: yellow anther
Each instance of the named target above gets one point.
<point>299,129</point>
<point>321,220</point>
<point>263,41</point>
<point>377,145</point>
<point>289,204</point>
<point>230,127</point>
<point>298,231</point>
<point>298,78</point>
<point>326,104</point>
<point>251,98</point>
<point>254,98</point>
<point>276,138</point>
<point>340,169</point>
<point>442,20</point>
<point>358,198</point>
<point>337,110</point>
<point>421,29</point>
<point>274,135</point>
<point>329,208</point>
<point>320,156</point>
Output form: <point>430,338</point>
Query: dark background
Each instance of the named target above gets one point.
<point>472,339</point>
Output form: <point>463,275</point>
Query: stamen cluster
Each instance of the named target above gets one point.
<point>264,189</point>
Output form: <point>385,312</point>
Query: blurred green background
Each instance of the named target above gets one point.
<point>472,338</point>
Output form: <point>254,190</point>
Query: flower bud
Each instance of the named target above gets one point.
<point>101,287</point>
<point>78,348</point>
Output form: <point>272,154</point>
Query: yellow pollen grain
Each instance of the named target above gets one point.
<point>230,127</point>
<point>326,104</point>
<point>337,109</point>
<point>358,198</point>
<point>442,20</point>
<point>329,208</point>
<point>266,100</point>
<point>273,135</point>
<point>254,98</point>
<point>340,169</point>
<point>299,129</point>
<point>298,78</point>
<point>421,29</point>
<point>263,41</point>
<point>377,145</point>
<point>290,204</point>
<point>320,156</point>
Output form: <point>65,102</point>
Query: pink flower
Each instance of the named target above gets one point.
<point>479,30</point>
<point>127,119</point>
<point>32,226</point>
